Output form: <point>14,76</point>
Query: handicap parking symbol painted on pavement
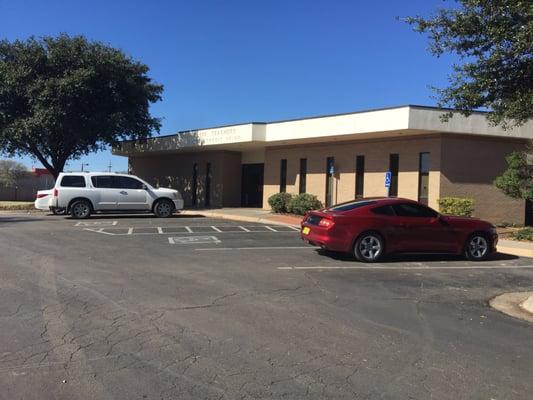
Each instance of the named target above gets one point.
<point>193,239</point>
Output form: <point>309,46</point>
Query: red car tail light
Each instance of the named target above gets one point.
<point>56,193</point>
<point>326,223</point>
<point>41,195</point>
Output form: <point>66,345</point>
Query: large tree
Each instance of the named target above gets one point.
<point>517,180</point>
<point>64,97</point>
<point>494,41</point>
<point>11,172</point>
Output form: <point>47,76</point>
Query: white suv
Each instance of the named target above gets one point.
<point>82,193</point>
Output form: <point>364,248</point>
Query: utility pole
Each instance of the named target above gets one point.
<point>109,167</point>
<point>83,165</point>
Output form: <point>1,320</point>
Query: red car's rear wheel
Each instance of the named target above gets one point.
<point>369,247</point>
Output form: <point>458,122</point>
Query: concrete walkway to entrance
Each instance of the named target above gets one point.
<point>248,215</point>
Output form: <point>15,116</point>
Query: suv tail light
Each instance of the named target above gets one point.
<point>326,223</point>
<point>41,195</point>
<point>56,192</point>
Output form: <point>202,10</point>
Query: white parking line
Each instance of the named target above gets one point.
<point>159,230</point>
<point>407,267</point>
<point>216,229</point>
<point>96,223</point>
<point>244,229</point>
<point>271,229</point>
<point>130,231</point>
<point>188,229</point>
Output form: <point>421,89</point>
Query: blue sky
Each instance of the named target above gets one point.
<point>225,62</point>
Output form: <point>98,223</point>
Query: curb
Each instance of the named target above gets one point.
<point>518,305</point>
<point>521,249</point>
<point>527,304</point>
<point>234,217</point>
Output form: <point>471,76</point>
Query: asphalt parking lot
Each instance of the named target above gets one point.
<point>120,307</point>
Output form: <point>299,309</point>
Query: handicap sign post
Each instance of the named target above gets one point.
<point>388,179</point>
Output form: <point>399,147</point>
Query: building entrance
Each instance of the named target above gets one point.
<point>252,185</point>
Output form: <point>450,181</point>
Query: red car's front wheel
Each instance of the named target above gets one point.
<point>369,247</point>
<point>477,247</point>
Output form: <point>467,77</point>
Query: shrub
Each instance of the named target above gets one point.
<point>525,234</point>
<point>303,202</point>
<point>279,202</point>
<point>456,206</point>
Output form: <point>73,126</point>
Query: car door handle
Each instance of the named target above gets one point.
<point>123,192</point>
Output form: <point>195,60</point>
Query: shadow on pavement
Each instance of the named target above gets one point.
<point>394,258</point>
<point>129,215</point>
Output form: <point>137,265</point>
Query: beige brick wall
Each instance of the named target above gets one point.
<point>469,168</point>
<point>176,171</point>
<point>376,154</point>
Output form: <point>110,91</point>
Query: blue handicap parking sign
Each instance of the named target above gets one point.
<point>388,178</point>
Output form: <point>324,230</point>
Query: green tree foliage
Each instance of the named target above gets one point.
<point>494,40</point>
<point>11,172</point>
<point>517,180</point>
<point>64,97</point>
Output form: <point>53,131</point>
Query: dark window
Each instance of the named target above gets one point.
<point>414,210</point>
<point>194,187</point>
<point>383,210</point>
<point>208,185</point>
<point>394,163</point>
<point>303,174</point>
<point>423,178</point>
<point>73,181</point>
<point>283,176</point>
<point>104,181</point>
<point>359,176</point>
<point>352,205</point>
<point>330,176</point>
<point>124,182</point>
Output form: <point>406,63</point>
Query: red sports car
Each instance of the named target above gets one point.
<point>374,227</point>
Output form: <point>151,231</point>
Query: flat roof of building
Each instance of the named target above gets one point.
<point>374,123</point>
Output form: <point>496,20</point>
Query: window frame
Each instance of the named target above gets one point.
<point>421,174</point>
<point>283,175</point>
<point>434,214</point>
<point>394,168</point>
<point>73,186</point>
<point>302,185</point>
<point>359,176</point>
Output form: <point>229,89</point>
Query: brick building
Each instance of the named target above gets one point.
<point>338,157</point>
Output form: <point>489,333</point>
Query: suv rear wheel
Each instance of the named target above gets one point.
<point>163,208</point>
<point>80,209</point>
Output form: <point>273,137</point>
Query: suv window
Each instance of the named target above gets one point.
<point>383,210</point>
<point>103,181</point>
<point>124,182</point>
<point>414,210</point>
<point>73,181</point>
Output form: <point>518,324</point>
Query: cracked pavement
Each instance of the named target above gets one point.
<point>93,316</point>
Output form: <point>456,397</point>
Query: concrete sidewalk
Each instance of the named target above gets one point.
<point>521,249</point>
<point>247,215</point>
<point>516,304</point>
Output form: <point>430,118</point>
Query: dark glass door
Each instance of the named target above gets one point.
<point>252,185</point>
<point>529,213</point>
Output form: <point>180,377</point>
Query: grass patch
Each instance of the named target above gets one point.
<point>16,205</point>
<point>524,234</point>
